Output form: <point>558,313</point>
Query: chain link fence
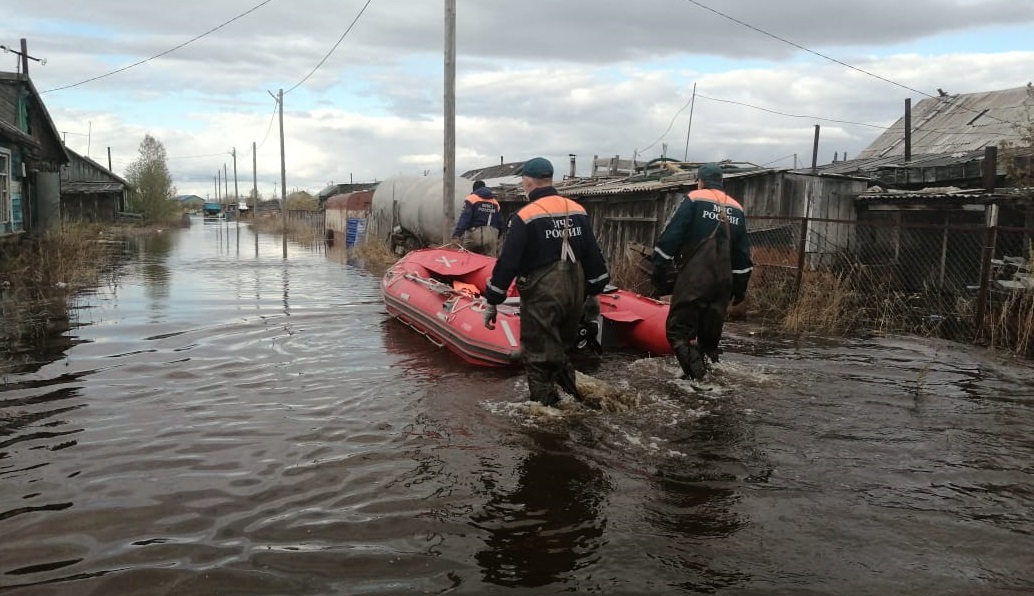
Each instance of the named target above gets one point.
<point>959,281</point>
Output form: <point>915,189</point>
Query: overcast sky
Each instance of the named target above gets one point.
<point>537,77</point>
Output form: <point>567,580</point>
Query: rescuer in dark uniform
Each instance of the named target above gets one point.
<point>706,241</point>
<point>480,222</point>
<point>551,251</point>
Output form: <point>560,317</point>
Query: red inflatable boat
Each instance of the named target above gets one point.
<point>436,291</point>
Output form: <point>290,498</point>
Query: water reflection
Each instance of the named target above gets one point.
<point>550,524</point>
<point>155,275</point>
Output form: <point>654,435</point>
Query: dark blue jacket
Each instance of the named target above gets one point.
<point>548,229</point>
<point>480,209</point>
<point>698,217</point>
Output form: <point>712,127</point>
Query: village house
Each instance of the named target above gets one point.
<point>31,157</point>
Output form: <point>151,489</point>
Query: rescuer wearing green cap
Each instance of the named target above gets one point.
<point>551,251</point>
<point>706,243</point>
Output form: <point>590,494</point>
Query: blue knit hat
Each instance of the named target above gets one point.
<point>537,167</point>
<point>710,172</point>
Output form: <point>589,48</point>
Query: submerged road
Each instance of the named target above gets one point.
<point>222,420</point>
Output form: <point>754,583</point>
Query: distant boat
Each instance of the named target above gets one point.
<point>212,209</point>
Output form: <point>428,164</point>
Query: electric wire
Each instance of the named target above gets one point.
<point>166,52</point>
<point>824,56</point>
<point>919,127</point>
<point>331,51</point>
<point>667,130</point>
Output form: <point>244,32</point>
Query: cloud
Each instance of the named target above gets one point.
<point>535,78</point>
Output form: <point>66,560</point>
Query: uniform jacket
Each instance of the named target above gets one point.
<point>700,217</point>
<point>549,229</point>
<point>480,209</point>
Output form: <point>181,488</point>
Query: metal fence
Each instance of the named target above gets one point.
<point>964,282</point>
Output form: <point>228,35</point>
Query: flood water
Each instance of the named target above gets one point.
<point>222,420</point>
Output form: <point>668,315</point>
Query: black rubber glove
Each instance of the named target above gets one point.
<point>739,288</point>
<point>489,316</point>
<point>659,278</point>
<point>591,309</point>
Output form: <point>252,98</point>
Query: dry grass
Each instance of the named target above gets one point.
<point>827,303</point>
<point>298,230</point>
<point>630,272</point>
<point>374,252</point>
<point>38,276</point>
<point>1010,322</point>
<point>72,259</point>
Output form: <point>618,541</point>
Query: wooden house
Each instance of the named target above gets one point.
<point>31,156</point>
<point>90,192</point>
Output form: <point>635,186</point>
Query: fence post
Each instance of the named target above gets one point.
<point>802,248</point>
<point>985,282</point>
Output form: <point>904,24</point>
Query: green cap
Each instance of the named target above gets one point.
<point>711,172</point>
<point>537,167</point>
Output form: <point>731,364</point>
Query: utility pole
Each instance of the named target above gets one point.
<point>254,177</point>
<point>283,169</point>
<point>236,193</point>
<point>815,152</point>
<point>218,185</point>
<point>226,185</point>
<point>449,182</point>
<point>692,100</point>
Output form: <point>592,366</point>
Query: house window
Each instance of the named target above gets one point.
<point>5,189</point>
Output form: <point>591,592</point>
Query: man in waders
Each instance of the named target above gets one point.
<point>706,243</point>
<point>551,251</point>
<point>480,222</point>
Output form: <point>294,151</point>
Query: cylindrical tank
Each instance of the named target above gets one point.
<point>415,204</point>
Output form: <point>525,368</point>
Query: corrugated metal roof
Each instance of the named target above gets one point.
<point>91,187</point>
<point>635,184</point>
<point>505,170</point>
<point>93,164</point>
<point>955,123</point>
<point>942,194</point>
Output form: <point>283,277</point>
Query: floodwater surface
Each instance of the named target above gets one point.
<point>224,420</point>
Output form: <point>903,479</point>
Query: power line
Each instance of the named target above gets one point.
<point>806,49</point>
<point>778,113</point>
<point>339,40</point>
<point>166,52</point>
<point>826,119</point>
<point>830,58</point>
<point>667,130</point>
<point>272,117</point>
<point>193,156</point>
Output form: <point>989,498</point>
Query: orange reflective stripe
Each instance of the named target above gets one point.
<point>474,200</point>
<point>715,196</point>
<point>551,206</point>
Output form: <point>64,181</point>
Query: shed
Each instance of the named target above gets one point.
<point>633,211</point>
<point>91,192</point>
<point>343,212</point>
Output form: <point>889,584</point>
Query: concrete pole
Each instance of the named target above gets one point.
<point>283,172</point>
<point>449,181</point>
<point>254,176</point>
